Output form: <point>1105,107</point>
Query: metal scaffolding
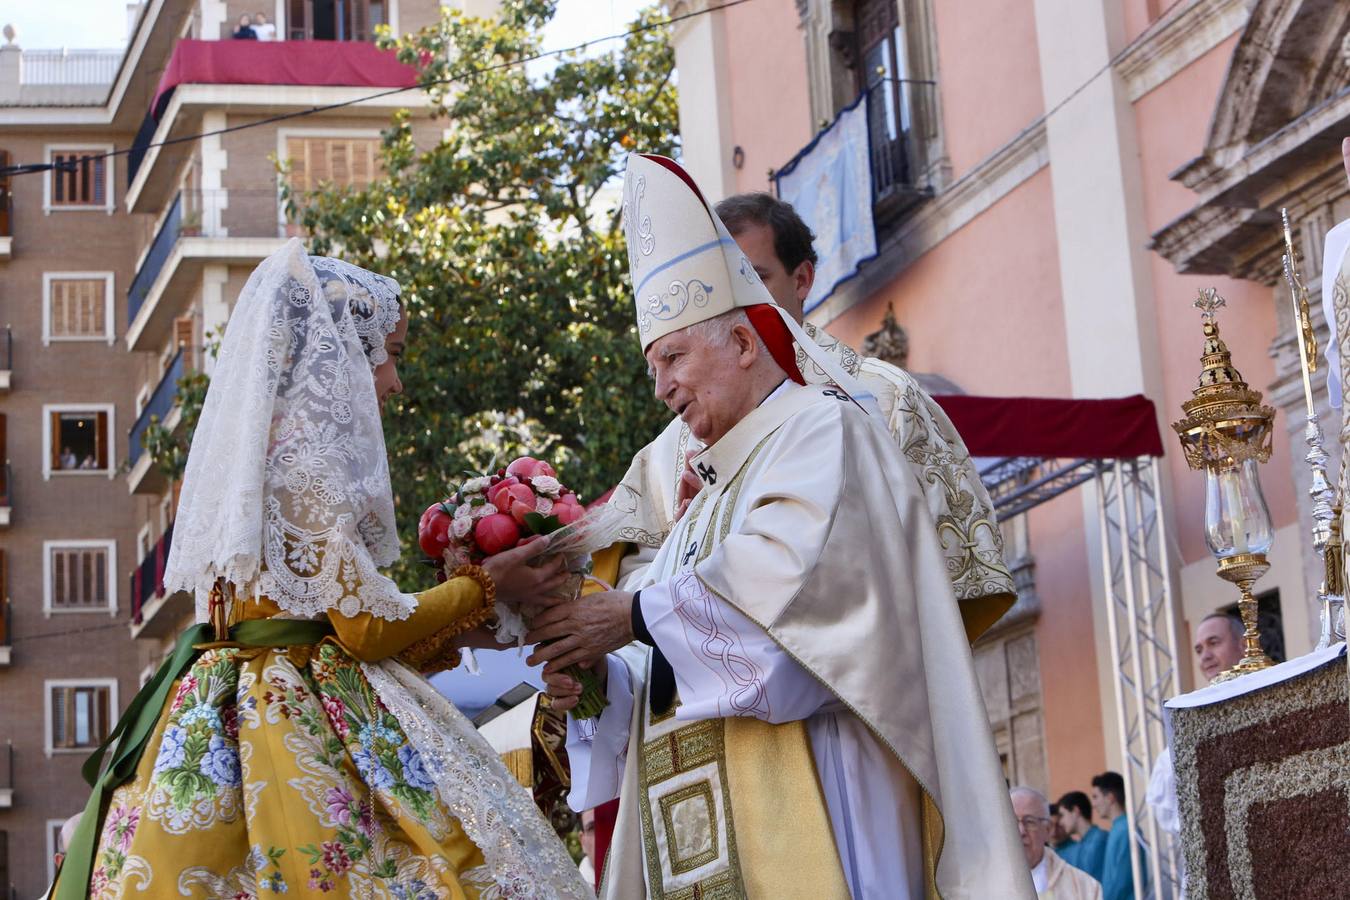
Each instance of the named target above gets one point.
<point>1141,622</point>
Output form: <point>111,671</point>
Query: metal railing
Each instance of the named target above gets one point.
<point>159,406</point>
<point>59,67</point>
<point>896,111</point>
<point>147,581</point>
<point>155,260</point>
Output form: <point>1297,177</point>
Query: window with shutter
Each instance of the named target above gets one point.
<point>78,578</point>
<point>5,227</point>
<point>78,440</point>
<point>77,308</point>
<point>80,714</point>
<point>337,161</point>
<point>78,177</point>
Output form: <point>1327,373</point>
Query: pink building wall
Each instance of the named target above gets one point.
<point>770,95</point>
<point>989,75</point>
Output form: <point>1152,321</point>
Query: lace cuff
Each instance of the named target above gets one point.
<point>437,651</point>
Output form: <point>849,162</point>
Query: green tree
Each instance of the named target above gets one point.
<point>506,238</point>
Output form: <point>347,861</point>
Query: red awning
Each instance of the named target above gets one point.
<point>1121,428</point>
<point>342,63</point>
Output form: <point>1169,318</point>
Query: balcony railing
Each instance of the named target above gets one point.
<point>155,260</point>
<point>61,67</point>
<point>140,144</point>
<point>147,581</point>
<point>159,406</point>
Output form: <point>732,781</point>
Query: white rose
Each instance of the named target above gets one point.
<point>543,505</point>
<point>476,485</point>
<point>487,509</point>
<point>463,511</point>
<point>547,485</point>
<point>461,527</point>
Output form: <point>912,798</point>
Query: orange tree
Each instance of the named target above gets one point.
<point>506,238</point>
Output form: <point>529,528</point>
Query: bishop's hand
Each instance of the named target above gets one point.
<point>582,631</point>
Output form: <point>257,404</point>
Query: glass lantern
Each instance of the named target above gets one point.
<point>1237,520</point>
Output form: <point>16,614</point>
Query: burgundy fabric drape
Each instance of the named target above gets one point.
<point>1121,428</point>
<point>344,63</point>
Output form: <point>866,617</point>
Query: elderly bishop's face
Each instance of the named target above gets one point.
<point>702,381</point>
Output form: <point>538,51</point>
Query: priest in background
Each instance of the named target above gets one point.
<point>799,715</point>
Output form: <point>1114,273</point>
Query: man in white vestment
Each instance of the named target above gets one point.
<point>778,245</point>
<point>798,715</point>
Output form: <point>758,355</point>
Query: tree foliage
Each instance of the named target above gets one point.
<point>506,238</point>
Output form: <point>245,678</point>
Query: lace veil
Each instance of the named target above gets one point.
<point>287,488</point>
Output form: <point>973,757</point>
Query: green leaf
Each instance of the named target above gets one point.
<point>541,524</point>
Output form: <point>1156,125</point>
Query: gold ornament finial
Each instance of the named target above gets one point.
<point>1209,302</point>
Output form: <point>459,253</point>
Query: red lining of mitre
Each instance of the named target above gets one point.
<point>672,165</point>
<point>774,331</point>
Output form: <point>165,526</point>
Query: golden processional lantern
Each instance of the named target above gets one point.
<point>1227,432</point>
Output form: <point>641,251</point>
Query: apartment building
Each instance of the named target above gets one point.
<point>115,268</point>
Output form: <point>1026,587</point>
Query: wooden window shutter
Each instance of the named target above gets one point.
<point>101,441</point>
<point>60,699</point>
<point>54,431</point>
<point>4,485</point>
<point>104,715</point>
<point>78,307</point>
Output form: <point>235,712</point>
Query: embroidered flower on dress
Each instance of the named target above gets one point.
<point>371,771</point>
<point>220,763</point>
<point>335,857</point>
<point>337,714</point>
<point>202,713</point>
<point>172,749</point>
<point>414,771</point>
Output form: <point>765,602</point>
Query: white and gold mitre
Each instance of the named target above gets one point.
<point>684,263</point>
<point>686,267</point>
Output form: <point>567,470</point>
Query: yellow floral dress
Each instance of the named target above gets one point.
<point>278,771</point>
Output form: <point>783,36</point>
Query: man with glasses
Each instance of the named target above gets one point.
<point>1053,877</point>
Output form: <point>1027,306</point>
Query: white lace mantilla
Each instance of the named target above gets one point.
<point>287,488</point>
<point>519,847</point>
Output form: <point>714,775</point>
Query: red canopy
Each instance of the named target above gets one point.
<point>1121,428</point>
<point>343,63</point>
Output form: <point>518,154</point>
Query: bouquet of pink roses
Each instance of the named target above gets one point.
<point>489,514</point>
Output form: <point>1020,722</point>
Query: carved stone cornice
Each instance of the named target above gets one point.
<point>1274,142</point>
<point>1176,40</point>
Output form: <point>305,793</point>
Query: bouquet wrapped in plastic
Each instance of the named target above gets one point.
<point>489,514</point>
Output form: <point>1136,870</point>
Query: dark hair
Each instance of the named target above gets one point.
<point>1079,801</point>
<point>792,239</point>
<point>1111,783</point>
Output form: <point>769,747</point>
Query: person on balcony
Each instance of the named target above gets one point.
<point>264,29</point>
<point>244,31</point>
<point>289,743</point>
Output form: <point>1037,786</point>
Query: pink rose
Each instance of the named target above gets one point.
<point>496,533</point>
<point>516,493</point>
<point>529,467</point>
<point>500,487</point>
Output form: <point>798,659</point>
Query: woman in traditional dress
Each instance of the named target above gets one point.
<point>289,745</point>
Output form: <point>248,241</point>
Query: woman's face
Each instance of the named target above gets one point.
<point>387,383</point>
<point>243,21</point>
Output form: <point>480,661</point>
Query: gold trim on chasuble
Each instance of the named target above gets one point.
<point>686,773</point>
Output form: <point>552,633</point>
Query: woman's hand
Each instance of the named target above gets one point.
<point>521,574</point>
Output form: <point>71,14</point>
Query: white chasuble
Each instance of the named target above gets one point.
<point>824,689</point>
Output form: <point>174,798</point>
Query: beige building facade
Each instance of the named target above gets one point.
<point>115,274</point>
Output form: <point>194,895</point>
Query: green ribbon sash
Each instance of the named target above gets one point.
<point>132,733</point>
